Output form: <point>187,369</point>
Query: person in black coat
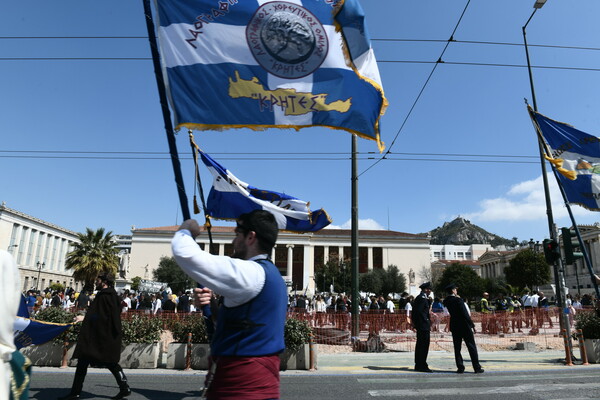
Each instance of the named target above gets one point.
<point>99,341</point>
<point>422,324</point>
<point>461,326</point>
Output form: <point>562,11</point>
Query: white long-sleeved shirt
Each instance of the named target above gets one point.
<point>9,304</point>
<point>239,281</point>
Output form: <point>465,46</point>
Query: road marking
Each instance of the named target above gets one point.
<point>482,390</point>
<point>470,378</point>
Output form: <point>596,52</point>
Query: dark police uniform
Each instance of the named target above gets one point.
<point>461,326</point>
<point>422,324</point>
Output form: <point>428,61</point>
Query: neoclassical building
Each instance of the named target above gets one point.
<point>296,255</point>
<point>38,247</point>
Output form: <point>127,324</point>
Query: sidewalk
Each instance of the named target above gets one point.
<point>443,362</point>
<point>396,363</point>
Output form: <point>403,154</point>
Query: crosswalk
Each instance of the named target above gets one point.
<point>548,386</point>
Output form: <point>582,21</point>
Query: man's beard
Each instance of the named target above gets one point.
<point>99,286</point>
<point>240,252</point>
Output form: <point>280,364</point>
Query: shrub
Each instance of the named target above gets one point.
<point>58,315</point>
<point>193,324</point>
<point>296,334</point>
<point>589,323</point>
<point>142,329</point>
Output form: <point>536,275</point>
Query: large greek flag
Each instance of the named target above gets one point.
<point>229,197</point>
<point>261,64</point>
<point>576,155</point>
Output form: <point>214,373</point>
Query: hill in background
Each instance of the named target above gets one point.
<point>462,232</point>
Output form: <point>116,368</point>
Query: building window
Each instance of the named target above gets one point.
<point>377,258</point>
<point>436,254</point>
<point>319,254</point>
<point>363,260</point>
<point>228,249</point>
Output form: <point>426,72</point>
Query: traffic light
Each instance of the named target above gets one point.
<point>551,251</point>
<point>571,246</point>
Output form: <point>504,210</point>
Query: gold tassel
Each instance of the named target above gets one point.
<point>558,163</point>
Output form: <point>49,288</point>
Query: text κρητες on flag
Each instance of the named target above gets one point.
<point>229,197</point>
<point>261,64</point>
<point>576,156</point>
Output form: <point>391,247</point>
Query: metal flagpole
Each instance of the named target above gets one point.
<point>162,94</point>
<point>354,240</point>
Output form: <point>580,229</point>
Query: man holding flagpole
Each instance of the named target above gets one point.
<point>250,323</point>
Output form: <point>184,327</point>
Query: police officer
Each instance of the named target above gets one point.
<point>461,326</point>
<point>422,324</point>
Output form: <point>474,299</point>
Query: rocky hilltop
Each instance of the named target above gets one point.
<point>462,232</point>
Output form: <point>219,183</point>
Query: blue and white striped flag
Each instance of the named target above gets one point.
<point>29,332</point>
<point>576,155</point>
<point>229,197</point>
<point>261,64</point>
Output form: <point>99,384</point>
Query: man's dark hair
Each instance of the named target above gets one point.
<point>263,224</point>
<point>108,278</point>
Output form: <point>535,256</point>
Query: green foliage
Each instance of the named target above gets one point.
<point>194,324</point>
<point>168,271</point>
<point>336,273</point>
<point>372,281</point>
<point>95,253</point>
<point>528,268</point>
<point>57,286</point>
<point>296,334</point>
<point>393,281</point>
<point>58,315</point>
<point>589,323</point>
<point>135,283</point>
<point>142,329</point>
<point>470,285</point>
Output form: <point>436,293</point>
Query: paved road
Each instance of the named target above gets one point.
<point>509,375</point>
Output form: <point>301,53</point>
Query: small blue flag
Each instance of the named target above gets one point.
<point>29,331</point>
<point>229,197</point>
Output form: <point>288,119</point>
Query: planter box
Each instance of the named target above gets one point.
<point>139,355</point>
<point>47,355</point>
<point>176,355</point>
<point>297,360</point>
<point>592,349</point>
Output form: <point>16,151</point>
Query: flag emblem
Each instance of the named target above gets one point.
<point>287,40</point>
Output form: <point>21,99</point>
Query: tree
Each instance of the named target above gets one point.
<point>168,271</point>
<point>94,254</point>
<point>372,282</point>
<point>394,282</point>
<point>470,284</point>
<point>528,268</point>
<point>431,274</point>
<point>336,273</point>
<point>135,283</point>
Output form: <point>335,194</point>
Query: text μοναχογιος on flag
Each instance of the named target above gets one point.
<point>229,197</point>
<point>260,64</point>
<point>576,156</point>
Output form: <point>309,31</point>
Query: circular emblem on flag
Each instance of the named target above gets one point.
<point>287,40</point>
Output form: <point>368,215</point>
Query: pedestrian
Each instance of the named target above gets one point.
<point>461,326</point>
<point>422,324</point>
<point>250,323</point>
<point>99,341</point>
<point>184,303</point>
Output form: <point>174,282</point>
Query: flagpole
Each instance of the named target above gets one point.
<point>354,240</point>
<point>162,94</point>
<point>558,266</point>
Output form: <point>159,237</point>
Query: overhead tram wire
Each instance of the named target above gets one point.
<point>391,40</point>
<point>420,92</point>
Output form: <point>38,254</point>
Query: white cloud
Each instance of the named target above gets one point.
<point>368,224</point>
<point>525,201</point>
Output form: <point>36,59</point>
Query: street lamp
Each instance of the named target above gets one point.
<point>40,265</point>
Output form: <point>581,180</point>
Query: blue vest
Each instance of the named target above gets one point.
<point>254,328</point>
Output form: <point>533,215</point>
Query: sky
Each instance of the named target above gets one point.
<point>83,141</point>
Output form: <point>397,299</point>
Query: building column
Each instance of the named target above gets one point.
<point>341,253</point>
<point>325,254</point>
<point>308,268</point>
<point>290,261</point>
<point>273,254</point>
<point>369,257</point>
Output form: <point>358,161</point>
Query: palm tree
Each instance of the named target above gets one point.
<point>94,254</point>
